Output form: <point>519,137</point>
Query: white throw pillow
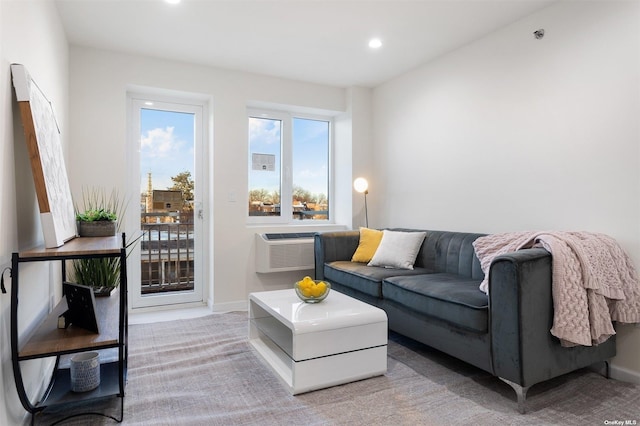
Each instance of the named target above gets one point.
<point>398,249</point>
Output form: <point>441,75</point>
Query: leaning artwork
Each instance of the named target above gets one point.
<point>47,162</point>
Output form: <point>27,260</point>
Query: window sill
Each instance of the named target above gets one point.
<point>294,227</point>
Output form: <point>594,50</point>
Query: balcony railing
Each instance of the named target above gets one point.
<point>166,252</point>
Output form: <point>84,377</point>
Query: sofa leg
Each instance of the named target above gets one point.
<point>602,368</point>
<point>521,392</point>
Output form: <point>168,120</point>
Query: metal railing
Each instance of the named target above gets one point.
<point>166,252</point>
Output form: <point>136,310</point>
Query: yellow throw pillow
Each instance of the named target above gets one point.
<point>369,242</point>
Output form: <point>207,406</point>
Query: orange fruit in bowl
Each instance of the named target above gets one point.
<point>322,286</point>
<point>310,290</point>
<point>315,291</point>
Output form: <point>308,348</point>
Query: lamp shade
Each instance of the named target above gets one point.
<point>361,185</point>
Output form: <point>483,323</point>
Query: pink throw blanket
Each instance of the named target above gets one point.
<point>594,281</point>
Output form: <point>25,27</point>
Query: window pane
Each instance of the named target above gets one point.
<point>167,188</point>
<point>310,169</point>
<point>265,146</point>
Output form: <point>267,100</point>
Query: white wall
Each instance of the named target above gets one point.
<point>351,160</point>
<point>512,133</point>
<point>98,134</point>
<point>30,34</point>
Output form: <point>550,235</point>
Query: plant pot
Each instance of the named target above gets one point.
<point>103,291</point>
<point>85,371</point>
<point>98,228</point>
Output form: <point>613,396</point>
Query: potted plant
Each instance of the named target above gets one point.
<point>102,274</point>
<point>99,218</point>
<point>97,223</point>
<point>100,213</point>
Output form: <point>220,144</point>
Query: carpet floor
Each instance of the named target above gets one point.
<point>203,371</point>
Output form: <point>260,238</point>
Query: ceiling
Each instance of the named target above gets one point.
<point>316,41</point>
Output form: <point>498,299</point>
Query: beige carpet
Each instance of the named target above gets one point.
<point>203,372</point>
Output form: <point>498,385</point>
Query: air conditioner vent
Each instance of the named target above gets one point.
<point>284,252</point>
<point>289,236</point>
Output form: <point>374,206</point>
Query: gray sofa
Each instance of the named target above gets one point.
<point>438,303</point>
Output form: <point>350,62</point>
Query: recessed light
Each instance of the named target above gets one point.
<point>375,43</point>
<point>172,1</point>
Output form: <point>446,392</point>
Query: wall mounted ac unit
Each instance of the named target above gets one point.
<point>284,252</point>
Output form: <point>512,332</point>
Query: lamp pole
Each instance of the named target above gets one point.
<point>366,211</point>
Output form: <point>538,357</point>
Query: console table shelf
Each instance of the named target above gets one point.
<point>59,393</point>
<point>47,340</point>
<point>75,249</point>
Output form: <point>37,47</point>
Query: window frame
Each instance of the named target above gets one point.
<point>286,166</point>
<point>199,107</point>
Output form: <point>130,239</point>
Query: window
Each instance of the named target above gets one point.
<point>288,160</point>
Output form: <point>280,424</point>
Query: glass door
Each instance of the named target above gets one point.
<point>166,265</point>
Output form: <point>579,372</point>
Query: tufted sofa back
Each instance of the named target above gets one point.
<point>450,252</point>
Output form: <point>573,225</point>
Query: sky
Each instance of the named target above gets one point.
<point>311,155</point>
<point>166,146</point>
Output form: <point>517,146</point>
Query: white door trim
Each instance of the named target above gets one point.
<point>202,224</point>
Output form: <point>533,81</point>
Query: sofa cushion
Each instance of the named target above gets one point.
<point>368,244</point>
<point>451,252</point>
<point>398,249</point>
<point>363,278</point>
<point>449,297</point>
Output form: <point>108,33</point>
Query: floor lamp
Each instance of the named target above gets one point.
<point>361,185</point>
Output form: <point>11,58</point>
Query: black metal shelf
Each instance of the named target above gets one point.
<point>47,340</point>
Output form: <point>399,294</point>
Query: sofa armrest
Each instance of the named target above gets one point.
<point>521,313</point>
<point>521,316</point>
<point>332,246</point>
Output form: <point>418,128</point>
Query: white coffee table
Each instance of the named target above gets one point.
<point>314,346</point>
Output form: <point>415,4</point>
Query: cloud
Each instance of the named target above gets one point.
<point>160,143</point>
<point>264,130</point>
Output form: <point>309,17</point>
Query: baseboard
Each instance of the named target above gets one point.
<point>173,307</point>
<point>624,374</point>
<point>241,305</point>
